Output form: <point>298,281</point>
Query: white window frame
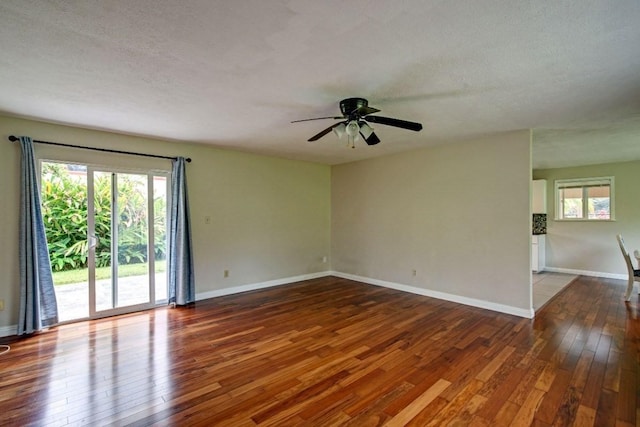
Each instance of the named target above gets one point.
<point>585,183</point>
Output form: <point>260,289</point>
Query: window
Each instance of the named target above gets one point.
<point>588,199</point>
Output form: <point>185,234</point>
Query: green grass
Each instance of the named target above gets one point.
<point>82,275</point>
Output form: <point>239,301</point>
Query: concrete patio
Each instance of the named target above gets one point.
<point>73,298</point>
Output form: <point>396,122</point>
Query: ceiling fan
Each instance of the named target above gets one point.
<point>355,115</point>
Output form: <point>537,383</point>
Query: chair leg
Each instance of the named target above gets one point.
<point>627,295</point>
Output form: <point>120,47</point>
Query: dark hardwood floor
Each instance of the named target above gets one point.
<point>335,352</point>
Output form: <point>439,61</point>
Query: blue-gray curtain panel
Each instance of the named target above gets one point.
<point>181,279</point>
<point>38,307</point>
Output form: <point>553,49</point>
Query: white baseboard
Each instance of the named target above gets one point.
<point>6,331</point>
<point>259,285</point>
<point>587,273</point>
<point>12,329</point>
<point>488,305</point>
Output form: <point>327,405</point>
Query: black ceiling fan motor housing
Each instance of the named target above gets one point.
<point>350,105</point>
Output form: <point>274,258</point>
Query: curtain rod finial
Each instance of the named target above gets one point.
<point>188,159</point>
<point>12,138</point>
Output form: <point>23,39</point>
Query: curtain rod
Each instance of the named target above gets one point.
<point>13,139</point>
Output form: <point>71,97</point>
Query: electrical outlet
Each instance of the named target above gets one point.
<point>226,273</point>
<point>1,304</point>
<point>414,272</point>
<point>324,259</point>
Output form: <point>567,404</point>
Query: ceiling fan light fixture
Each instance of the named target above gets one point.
<point>353,130</point>
<point>366,130</point>
<point>340,130</point>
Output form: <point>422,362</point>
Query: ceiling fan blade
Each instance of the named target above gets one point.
<point>395,122</point>
<point>324,132</point>
<point>372,140</point>
<point>317,118</point>
<point>366,110</point>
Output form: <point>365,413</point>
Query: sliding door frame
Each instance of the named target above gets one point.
<point>150,173</point>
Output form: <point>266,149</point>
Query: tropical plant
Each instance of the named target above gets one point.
<point>64,207</point>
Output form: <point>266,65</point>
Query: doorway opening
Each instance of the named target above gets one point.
<point>107,236</point>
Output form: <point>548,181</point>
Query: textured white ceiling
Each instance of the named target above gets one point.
<point>236,73</point>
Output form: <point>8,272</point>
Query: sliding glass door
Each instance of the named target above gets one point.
<point>123,254</point>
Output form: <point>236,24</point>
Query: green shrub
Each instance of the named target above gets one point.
<point>64,209</point>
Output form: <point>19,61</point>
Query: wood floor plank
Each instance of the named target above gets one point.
<point>506,414</point>
<point>495,396</point>
<point>585,417</point>
<point>413,408</point>
<point>627,396</point>
<point>527,411</point>
<point>374,415</point>
<point>494,364</point>
<point>552,399</point>
<point>335,352</point>
<point>458,405</point>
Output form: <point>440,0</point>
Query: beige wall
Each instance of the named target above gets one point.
<point>591,246</point>
<point>459,214</point>
<point>270,217</point>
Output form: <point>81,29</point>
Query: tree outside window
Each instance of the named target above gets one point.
<point>589,199</point>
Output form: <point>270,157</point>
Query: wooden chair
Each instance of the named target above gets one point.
<point>634,275</point>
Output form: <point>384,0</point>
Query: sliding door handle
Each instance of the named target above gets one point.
<point>93,242</point>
